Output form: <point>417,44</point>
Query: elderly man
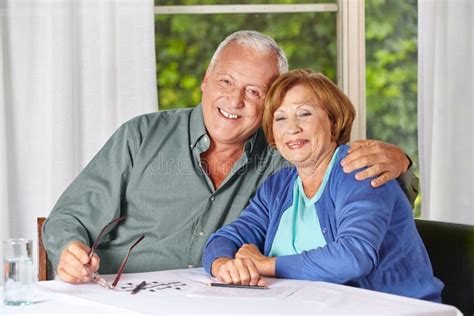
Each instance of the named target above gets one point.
<point>180,175</point>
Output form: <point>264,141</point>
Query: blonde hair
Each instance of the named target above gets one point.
<point>339,108</point>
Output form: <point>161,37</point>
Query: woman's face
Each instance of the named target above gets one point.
<point>302,129</point>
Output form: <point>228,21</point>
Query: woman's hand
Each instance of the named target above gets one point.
<point>236,271</point>
<point>265,265</point>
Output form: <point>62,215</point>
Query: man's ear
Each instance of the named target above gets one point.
<point>206,77</point>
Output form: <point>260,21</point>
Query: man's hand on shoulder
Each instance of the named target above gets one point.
<point>74,263</point>
<point>386,161</point>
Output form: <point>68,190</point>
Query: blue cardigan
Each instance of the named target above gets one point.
<point>372,241</point>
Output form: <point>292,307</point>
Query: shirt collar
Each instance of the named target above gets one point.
<point>250,143</point>
<point>196,126</point>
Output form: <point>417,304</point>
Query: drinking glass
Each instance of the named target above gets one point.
<point>18,272</point>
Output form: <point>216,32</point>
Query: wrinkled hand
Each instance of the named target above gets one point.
<point>265,265</point>
<point>236,271</point>
<point>74,263</point>
<point>384,160</point>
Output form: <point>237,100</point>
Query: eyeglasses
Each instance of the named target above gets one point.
<point>107,229</point>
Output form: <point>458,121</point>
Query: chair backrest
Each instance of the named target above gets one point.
<point>451,250</point>
<point>44,265</point>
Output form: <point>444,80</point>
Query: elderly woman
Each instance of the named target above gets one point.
<point>314,221</point>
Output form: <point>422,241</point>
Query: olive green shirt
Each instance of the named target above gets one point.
<point>150,170</point>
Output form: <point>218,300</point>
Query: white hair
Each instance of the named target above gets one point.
<point>256,40</point>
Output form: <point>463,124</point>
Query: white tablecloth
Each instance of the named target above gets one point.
<point>186,292</point>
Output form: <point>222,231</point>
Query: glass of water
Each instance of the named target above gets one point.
<point>18,272</point>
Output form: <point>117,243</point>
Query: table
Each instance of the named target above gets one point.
<point>186,292</point>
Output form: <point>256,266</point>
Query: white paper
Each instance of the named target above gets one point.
<point>198,284</point>
<point>270,293</point>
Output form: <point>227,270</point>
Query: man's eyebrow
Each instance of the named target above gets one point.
<point>262,87</point>
<point>223,73</point>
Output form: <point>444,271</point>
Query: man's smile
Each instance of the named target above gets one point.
<point>229,115</point>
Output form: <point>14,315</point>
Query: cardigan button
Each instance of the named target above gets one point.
<point>325,230</point>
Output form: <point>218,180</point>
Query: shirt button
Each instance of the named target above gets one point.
<point>205,139</point>
<point>325,230</point>
<point>201,233</point>
<point>213,198</point>
<point>190,265</point>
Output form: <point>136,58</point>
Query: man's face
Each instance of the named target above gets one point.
<point>233,93</point>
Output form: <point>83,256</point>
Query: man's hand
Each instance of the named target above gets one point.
<point>384,160</point>
<point>265,265</point>
<point>74,263</point>
<point>236,271</point>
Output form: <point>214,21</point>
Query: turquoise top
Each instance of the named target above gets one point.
<point>299,228</point>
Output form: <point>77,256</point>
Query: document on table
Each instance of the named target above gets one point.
<point>190,284</point>
<point>197,284</point>
<point>272,293</point>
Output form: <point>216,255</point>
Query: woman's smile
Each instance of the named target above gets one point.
<point>297,143</point>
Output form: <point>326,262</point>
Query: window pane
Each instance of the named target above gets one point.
<point>185,44</point>
<point>391,68</point>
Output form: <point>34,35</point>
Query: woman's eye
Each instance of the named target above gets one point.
<point>225,81</point>
<point>279,119</point>
<point>302,114</point>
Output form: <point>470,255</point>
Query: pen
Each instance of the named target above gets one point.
<point>259,287</point>
<point>139,287</point>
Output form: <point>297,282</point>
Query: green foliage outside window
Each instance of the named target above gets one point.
<point>391,75</point>
<point>185,44</point>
